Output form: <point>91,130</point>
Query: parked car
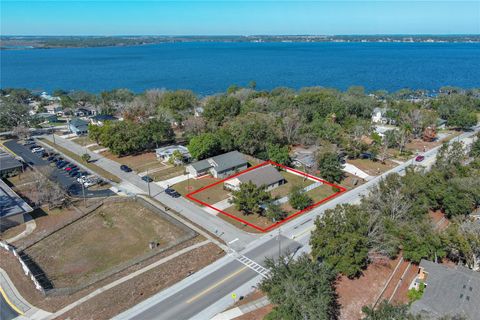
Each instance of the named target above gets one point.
<point>419,158</point>
<point>366,155</point>
<point>147,179</point>
<point>38,149</point>
<point>172,193</point>
<point>125,168</point>
<point>33,146</point>
<point>73,172</point>
<point>28,142</point>
<point>51,158</point>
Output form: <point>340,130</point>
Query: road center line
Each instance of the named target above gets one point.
<point>216,284</point>
<point>234,240</point>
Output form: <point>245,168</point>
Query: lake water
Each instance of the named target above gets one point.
<point>208,68</point>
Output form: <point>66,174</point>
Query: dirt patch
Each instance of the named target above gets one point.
<point>134,291</point>
<point>258,314</point>
<point>373,168</point>
<point>356,293</point>
<point>111,235</point>
<point>139,162</point>
<point>167,172</point>
<point>12,232</point>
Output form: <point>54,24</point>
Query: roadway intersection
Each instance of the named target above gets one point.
<point>205,293</point>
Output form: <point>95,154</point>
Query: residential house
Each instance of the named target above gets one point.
<point>46,117</point>
<point>165,153</point>
<point>83,112</point>
<point>78,126</point>
<point>55,109</point>
<point>265,176</point>
<point>304,157</point>
<point>220,166</point>
<point>379,115</point>
<point>449,291</point>
<point>100,119</point>
<point>12,208</point>
<point>198,111</point>
<point>441,123</point>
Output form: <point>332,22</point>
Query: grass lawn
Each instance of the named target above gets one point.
<point>83,141</point>
<point>373,168</point>
<point>167,172</point>
<point>292,180</point>
<point>78,158</point>
<point>210,195</point>
<point>139,163</point>
<point>320,193</point>
<point>111,235</point>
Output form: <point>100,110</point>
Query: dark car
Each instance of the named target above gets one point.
<point>419,158</point>
<point>51,158</point>
<point>83,173</point>
<point>62,164</point>
<point>72,172</point>
<point>366,155</point>
<point>125,168</point>
<point>147,179</point>
<point>172,193</point>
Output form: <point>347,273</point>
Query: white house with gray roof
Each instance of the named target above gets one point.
<point>220,166</point>
<point>266,176</point>
<point>449,291</point>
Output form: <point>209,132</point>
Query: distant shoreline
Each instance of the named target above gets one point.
<point>52,42</point>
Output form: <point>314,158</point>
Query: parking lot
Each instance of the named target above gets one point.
<point>60,175</point>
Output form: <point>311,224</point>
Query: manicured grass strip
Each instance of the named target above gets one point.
<point>79,159</point>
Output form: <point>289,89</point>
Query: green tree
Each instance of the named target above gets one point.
<point>475,147</point>
<point>178,103</point>
<point>330,167</point>
<point>275,212</point>
<point>300,289</point>
<point>86,157</point>
<point>221,108</point>
<point>414,294</point>
<point>298,199</point>
<point>278,154</point>
<point>94,132</point>
<point>387,311</point>
<point>249,198</point>
<point>204,146</point>
<point>340,239</point>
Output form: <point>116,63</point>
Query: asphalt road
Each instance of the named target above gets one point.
<point>68,183</point>
<point>191,300</point>
<point>6,312</point>
<point>186,301</point>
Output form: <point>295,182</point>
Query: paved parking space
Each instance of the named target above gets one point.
<point>68,183</point>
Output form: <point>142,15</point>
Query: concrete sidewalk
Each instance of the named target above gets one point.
<point>350,168</point>
<point>17,302</point>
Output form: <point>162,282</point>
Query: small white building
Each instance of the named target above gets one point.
<point>165,153</point>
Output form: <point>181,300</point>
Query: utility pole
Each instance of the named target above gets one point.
<point>148,184</point>
<point>53,135</point>
<point>279,243</point>
<point>84,199</point>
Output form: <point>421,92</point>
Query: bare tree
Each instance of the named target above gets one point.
<point>291,126</point>
<point>46,192</point>
<point>21,131</point>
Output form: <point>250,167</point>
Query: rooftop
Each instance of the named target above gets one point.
<point>8,162</point>
<point>78,122</point>
<point>221,162</point>
<point>10,203</point>
<point>262,176</point>
<point>449,291</point>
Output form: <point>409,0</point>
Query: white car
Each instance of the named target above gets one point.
<point>38,149</point>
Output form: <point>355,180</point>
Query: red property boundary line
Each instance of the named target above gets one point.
<point>340,188</point>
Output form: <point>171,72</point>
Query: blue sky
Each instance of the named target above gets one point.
<point>238,17</point>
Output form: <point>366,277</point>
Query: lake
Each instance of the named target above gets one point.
<point>208,68</point>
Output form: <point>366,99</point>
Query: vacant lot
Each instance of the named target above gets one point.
<point>111,235</point>
<point>373,168</point>
<point>166,172</point>
<point>83,141</point>
<point>191,185</point>
<point>139,163</point>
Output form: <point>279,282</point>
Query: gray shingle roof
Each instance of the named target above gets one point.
<point>78,123</point>
<point>228,160</point>
<point>10,202</point>
<point>8,162</point>
<point>449,291</point>
<point>201,165</point>
<point>265,175</point>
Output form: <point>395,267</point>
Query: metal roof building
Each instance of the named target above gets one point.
<point>12,207</point>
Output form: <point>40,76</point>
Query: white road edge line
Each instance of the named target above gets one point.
<point>233,241</point>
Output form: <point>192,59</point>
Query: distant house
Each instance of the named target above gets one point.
<point>12,208</point>
<point>441,123</point>
<point>166,153</point>
<point>266,176</point>
<point>46,117</point>
<point>198,111</point>
<point>304,157</point>
<point>220,166</point>
<point>449,291</point>
<point>55,109</point>
<point>78,126</point>
<point>8,164</point>
<point>83,112</point>
<point>100,119</point>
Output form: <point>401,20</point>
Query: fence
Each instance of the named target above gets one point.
<point>25,268</point>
